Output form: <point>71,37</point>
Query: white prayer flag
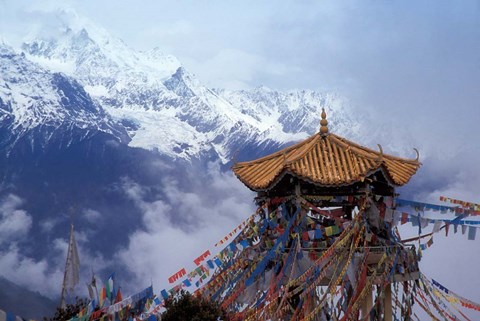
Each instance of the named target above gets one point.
<point>436,226</point>
<point>72,267</point>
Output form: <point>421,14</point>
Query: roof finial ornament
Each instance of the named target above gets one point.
<point>380,155</point>
<point>418,154</point>
<point>323,123</point>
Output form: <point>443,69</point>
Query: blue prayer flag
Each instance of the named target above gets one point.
<point>218,262</point>
<point>10,316</point>
<point>210,264</point>
<point>164,294</point>
<point>152,318</point>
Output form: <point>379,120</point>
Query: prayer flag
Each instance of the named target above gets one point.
<point>72,267</point>
<point>118,297</point>
<point>472,231</point>
<point>404,218</point>
<point>305,236</point>
<point>311,235</point>
<point>436,226</point>
<point>90,291</point>
<point>245,243</point>
<point>430,242</point>
<point>202,257</point>
<point>328,231</point>
<point>177,275</point>
<point>217,262</point>
<point>103,296</point>
<point>199,271</point>
<point>210,264</point>
<point>424,222</point>
<point>9,316</point>
<point>109,287</point>
<point>335,230</point>
<point>164,294</point>
<point>416,222</point>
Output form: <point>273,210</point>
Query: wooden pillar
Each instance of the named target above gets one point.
<point>367,305</point>
<point>387,303</point>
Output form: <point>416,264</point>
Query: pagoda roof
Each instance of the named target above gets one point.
<point>325,159</point>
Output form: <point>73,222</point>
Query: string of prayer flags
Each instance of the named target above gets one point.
<point>204,265</point>
<point>473,206</point>
<point>465,302</point>
<point>235,230</point>
<point>416,220</point>
<point>420,206</point>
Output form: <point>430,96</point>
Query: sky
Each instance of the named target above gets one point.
<point>412,67</point>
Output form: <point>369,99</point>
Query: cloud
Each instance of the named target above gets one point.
<point>181,224</point>
<point>92,215</point>
<point>15,225</point>
<point>14,222</point>
<point>15,266</point>
<point>45,275</point>
<point>238,69</point>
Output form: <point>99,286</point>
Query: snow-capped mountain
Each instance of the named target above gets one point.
<point>164,107</point>
<point>37,106</point>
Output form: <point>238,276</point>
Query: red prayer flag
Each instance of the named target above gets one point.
<point>119,296</point>
<point>177,275</point>
<point>404,218</point>
<point>202,257</point>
